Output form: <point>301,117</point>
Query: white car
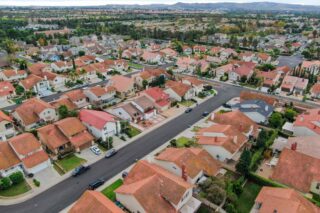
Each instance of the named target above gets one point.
<point>95,150</point>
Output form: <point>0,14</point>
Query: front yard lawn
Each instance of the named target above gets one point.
<point>187,103</point>
<point>70,162</point>
<point>15,190</point>
<point>109,190</point>
<point>135,66</point>
<point>247,197</point>
<point>132,131</point>
<point>184,142</point>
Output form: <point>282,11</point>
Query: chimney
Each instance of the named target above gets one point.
<point>184,172</point>
<point>294,146</point>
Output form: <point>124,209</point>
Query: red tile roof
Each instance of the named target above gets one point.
<point>309,119</point>
<point>6,88</point>
<point>98,119</point>
<point>7,156</point>
<point>35,159</point>
<point>25,143</point>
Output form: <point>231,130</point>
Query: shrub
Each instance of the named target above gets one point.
<point>264,181</point>
<point>173,143</point>
<point>36,182</point>
<point>16,178</point>
<point>5,183</point>
<point>123,138</point>
<point>230,208</point>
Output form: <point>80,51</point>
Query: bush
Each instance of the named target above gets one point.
<point>173,143</point>
<point>230,208</point>
<point>5,183</point>
<point>16,178</point>
<point>36,182</point>
<point>264,181</point>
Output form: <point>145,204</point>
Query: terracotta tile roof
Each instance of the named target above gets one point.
<point>6,88</point>
<point>75,95</point>
<point>51,136</point>
<point>30,81</point>
<point>222,135</point>
<point>94,201</point>
<point>309,119</point>
<point>7,156</point>
<point>121,83</point>
<point>37,68</point>
<point>161,98</point>
<point>263,56</point>
<point>98,91</point>
<point>248,95</point>
<point>5,117</point>
<point>25,143</point>
<point>284,200</point>
<point>315,88</point>
<point>296,170</point>
<point>98,119</point>
<point>309,145</point>
<point>81,138</point>
<point>11,73</point>
<point>35,159</point>
<point>64,101</point>
<point>195,160</point>
<point>178,87</point>
<point>193,81</point>
<point>29,110</point>
<point>237,119</point>
<point>153,187</point>
<point>70,126</point>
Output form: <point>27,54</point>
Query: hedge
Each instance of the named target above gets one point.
<point>264,181</point>
<point>16,178</point>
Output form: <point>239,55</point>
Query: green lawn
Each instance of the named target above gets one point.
<point>204,209</point>
<point>196,128</point>
<point>70,162</point>
<point>109,190</point>
<point>133,131</point>
<point>16,190</point>
<point>135,66</point>
<point>246,199</point>
<point>187,103</point>
<point>183,141</point>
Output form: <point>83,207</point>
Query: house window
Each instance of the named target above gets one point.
<point>8,125</point>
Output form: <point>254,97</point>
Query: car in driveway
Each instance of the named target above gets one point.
<point>111,152</point>
<point>80,170</point>
<point>188,110</point>
<point>96,184</point>
<point>204,114</point>
<point>95,150</point>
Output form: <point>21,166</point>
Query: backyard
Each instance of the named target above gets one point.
<point>70,162</point>
<point>109,190</point>
<point>247,197</point>
<point>15,190</point>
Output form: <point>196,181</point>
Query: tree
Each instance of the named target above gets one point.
<point>145,83</point>
<point>290,114</point>
<point>16,178</point>
<point>261,140</point>
<point>81,53</point>
<point>63,111</point>
<point>276,120</point>
<point>216,194</point>
<point>19,89</point>
<point>9,46</point>
<point>243,79</point>
<point>5,183</point>
<point>244,163</point>
<point>230,208</point>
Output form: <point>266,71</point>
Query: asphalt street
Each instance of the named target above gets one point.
<point>65,193</point>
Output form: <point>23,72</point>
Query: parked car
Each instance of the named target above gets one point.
<point>96,184</point>
<point>80,170</point>
<point>111,153</point>
<point>204,114</point>
<point>95,150</point>
<point>188,110</point>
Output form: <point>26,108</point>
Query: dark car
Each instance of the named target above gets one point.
<point>80,170</point>
<point>188,110</point>
<point>111,153</point>
<point>96,184</point>
<point>204,114</point>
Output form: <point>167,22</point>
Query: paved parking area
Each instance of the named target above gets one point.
<point>48,176</point>
<point>88,155</point>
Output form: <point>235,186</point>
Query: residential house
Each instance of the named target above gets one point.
<point>292,84</point>
<point>29,151</point>
<point>160,99</point>
<point>127,112</point>
<point>7,129</point>
<point>145,106</point>
<point>227,53</point>
<point>179,91</point>
<point>307,123</point>
<point>13,75</point>
<point>272,199</point>
<point>195,83</point>
<point>187,50</point>
<point>247,56</point>
<point>195,162</point>
<point>63,102</point>
<point>38,68</point>
<point>315,90</point>
<point>152,57</point>
<point>223,142</point>
<point>36,84</point>
<point>149,75</point>
<point>77,97</point>
<point>238,120</point>
<point>94,201</point>
<point>9,161</point>
<point>7,91</point>
<point>99,123</point>
<point>62,66</point>
<point>185,64</point>
<point>64,136</point>
<point>308,145</point>
<point>311,66</point>
<point>223,70</point>
<point>124,86</point>
<point>33,113</point>
<point>250,95</point>
<point>100,95</point>
<point>257,110</point>
<point>245,69</point>
<point>150,188</point>
<point>56,81</point>
<point>297,170</point>
<point>199,49</point>
<point>271,78</point>
<point>169,53</point>
<point>263,58</point>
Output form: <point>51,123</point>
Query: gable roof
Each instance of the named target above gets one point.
<point>25,143</point>
<point>6,88</point>
<point>64,101</point>
<point>30,81</point>
<point>195,160</point>
<point>121,83</point>
<point>51,136</point>
<point>95,118</point>
<point>75,95</point>
<point>94,201</point>
<point>5,117</point>
<point>284,200</point>
<point>309,145</point>
<point>178,87</point>
<point>309,119</point>
<point>7,156</point>
<point>70,126</point>
<point>249,95</point>
<point>259,106</point>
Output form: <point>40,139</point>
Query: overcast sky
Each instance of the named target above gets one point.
<point>103,2</point>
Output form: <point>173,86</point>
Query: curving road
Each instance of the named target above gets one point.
<point>65,193</point>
